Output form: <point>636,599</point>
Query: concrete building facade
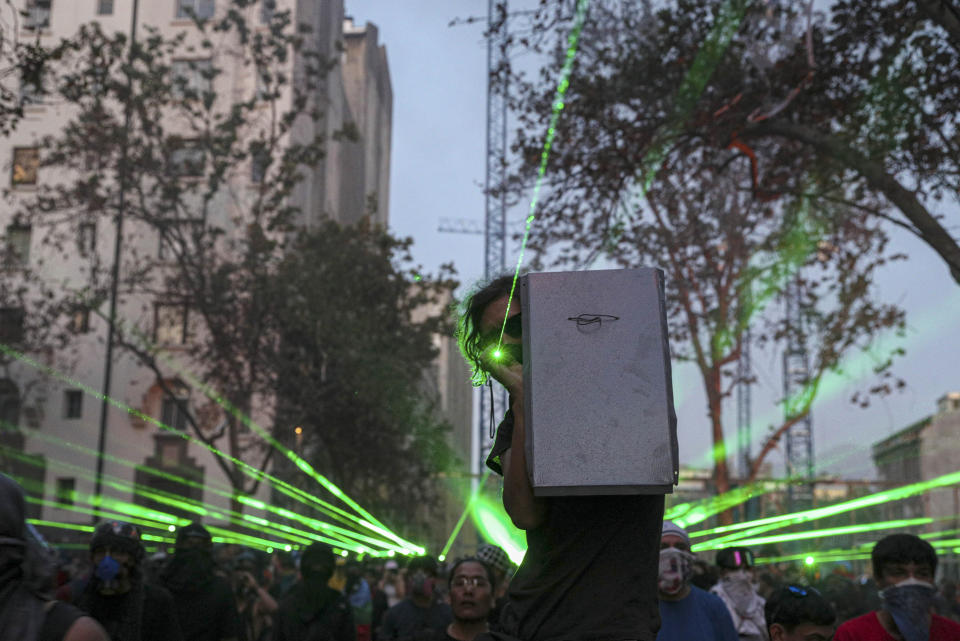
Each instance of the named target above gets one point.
<point>926,450</point>
<point>48,400</point>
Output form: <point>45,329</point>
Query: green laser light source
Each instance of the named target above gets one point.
<point>808,560</point>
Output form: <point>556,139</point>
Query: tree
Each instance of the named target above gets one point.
<point>358,326</point>
<point>730,235</point>
<point>218,177</point>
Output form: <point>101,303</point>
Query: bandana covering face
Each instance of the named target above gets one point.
<point>739,587</point>
<point>675,569</point>
<point>909,603</point>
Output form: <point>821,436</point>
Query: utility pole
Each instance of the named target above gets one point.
<point>115,270</point>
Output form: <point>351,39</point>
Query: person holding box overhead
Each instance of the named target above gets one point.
<point>592,560</point>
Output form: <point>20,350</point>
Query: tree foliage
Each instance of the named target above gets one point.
<point>358,335</point>
<point>746,148</point>
<point>209,178</point>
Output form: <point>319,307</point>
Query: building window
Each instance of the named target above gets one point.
<point>72,403</point>
<point>170,324</point>
<point>26,161</point>
<point>192,78</point>
<point>258,167</point>
<point>18,245</point>
<point>11,325</point>
<point>38,14</point>
<point>173,413</point>
<point>79,321</point>
<point>267,9</point>
<point>87,238</point>
<point>198,8</point>
<point>31,90</point>
<point>186,160</point>
<point>104,7</point>
<point>263,85</point>
<point>66,491</point>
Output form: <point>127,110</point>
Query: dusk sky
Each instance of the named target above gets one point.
<point>439,85</point>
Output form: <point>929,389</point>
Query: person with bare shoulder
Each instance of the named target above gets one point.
<point>27,611</point>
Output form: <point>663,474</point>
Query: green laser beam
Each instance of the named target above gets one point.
<point>197,507</point>
<point>813,534</point>
<point>309,522</point>
<point>66,526</point>
<point>877,498</point>
<point>302,464</point>
<point>495,525</point>
<point>572,41</point>
<point>298,461</point>
<point>687,514</point>
<point>466,512</point>
<point>245,467</point>
<point>258,474</point>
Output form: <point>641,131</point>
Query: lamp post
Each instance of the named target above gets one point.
<point>115,271</point>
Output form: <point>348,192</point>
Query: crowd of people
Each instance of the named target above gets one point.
<point>203,592</point>
<point>597,568</point>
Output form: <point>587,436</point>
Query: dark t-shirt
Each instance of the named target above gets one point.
<point>590,571</point>
<point>308,616</point>
<point>158,619</point>
<point>208,613</point>
<point>406,621</point>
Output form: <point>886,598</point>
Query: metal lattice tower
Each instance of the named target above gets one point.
<point>796,375</point>
<point>495,225</point>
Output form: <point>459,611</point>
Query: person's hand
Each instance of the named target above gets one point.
<point>250,581</point>
<point>505,370</point>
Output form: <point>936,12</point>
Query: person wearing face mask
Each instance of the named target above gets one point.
<point>420,613</point>
<point>27,611</point>
<point>737,590</point>
<point>312,610</point>
<point>686,611</point>
<point>116,595</point>
<point>204,601</point>
<point>904,566</point>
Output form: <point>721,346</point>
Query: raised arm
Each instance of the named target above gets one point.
<point>526,510</point>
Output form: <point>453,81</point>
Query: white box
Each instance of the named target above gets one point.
<point>598,396</point>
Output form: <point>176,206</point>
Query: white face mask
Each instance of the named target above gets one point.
<point>675,569</point>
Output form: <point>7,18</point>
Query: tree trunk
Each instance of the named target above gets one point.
<point>721,473</point>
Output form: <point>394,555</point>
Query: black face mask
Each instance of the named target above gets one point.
<point>189,570</point>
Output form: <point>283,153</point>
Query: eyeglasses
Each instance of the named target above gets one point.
<point>473,581</point>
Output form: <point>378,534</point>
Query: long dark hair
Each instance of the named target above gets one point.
<point>468,323</point>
